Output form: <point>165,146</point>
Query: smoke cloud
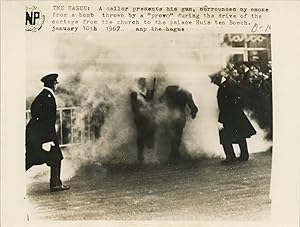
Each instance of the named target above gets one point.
<point>98,74</point>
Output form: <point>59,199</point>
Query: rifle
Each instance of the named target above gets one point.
<point>151,95</point>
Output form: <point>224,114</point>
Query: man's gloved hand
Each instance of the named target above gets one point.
<point>220,126</point>
<point>47,146</point>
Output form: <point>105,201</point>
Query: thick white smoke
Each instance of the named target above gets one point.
<point>100,72</point>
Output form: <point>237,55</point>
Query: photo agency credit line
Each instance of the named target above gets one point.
<point>83,18</point>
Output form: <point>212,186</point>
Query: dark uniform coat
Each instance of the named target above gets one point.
<point>41,129</point>
<point>177,100</point>
<point>143,117</point>
<point>236,125</point>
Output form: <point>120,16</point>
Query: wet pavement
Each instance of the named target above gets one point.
<point>191,190</point>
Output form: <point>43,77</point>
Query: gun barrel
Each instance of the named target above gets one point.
<point>153,87</point>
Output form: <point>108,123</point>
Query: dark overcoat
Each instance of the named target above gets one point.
<point>143,117</point>
<point>41,129</point>
<point>236,125</point>
<point>177,99</point>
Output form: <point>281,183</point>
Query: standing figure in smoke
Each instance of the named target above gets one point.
<point>141,104</point>
<point>234,126</point>
<point>177,99</point>
<point>41,139</point>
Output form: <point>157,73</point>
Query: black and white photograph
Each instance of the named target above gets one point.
<point>164,128</point>
<point>174,122</point>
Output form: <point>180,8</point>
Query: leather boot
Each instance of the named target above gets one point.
<point>55,182</point>
<point>53,176</point>
<point>229,152</point>
<point>244,151</point>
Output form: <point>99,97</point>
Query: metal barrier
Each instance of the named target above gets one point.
<point>71,127</point>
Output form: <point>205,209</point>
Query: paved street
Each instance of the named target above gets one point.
<point>194,190</point>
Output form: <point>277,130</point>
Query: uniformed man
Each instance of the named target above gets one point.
<point>141,103</point>
<point>41,139</point>
<point>177,99</point>
<point>234,126</point>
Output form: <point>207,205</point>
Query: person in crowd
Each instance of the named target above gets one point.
<point>255,76</point>
<point>141,104</point>
<point>42,144</point>
<point>234,126</point>
<point>267,76</point>
<point>236,76</point>
<point>177,99</point>
<point>244,69</point>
